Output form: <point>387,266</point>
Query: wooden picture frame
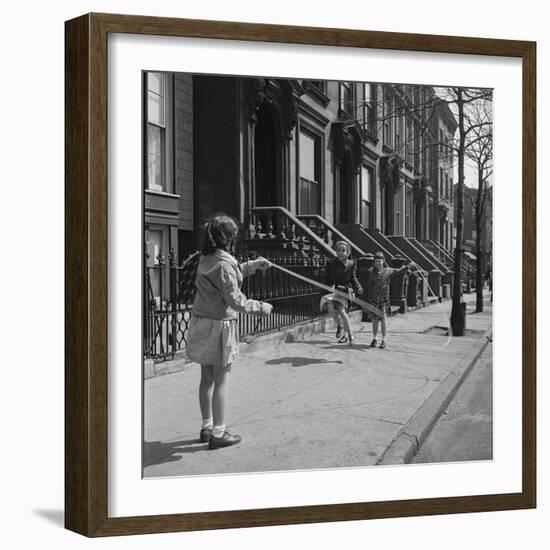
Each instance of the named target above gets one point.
<point>86,281</point>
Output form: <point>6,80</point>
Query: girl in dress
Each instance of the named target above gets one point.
<point>213,339</point>
<point>342,275</point>
<point>379,283</point>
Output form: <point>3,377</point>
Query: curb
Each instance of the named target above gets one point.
<point>407,442</point>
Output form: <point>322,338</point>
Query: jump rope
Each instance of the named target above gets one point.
<point>365,305</point>
<point>347,296</point>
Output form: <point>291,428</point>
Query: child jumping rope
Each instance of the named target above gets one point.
<point>342,275</point>
<point>213,339</point>
<point>380,280</point>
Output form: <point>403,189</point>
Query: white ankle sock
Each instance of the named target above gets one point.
<point>218,431</point>
<point>207,423</point>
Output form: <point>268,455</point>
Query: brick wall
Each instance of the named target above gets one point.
<point>183,117</point>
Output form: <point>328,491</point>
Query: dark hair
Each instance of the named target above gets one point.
<point>220,232</point>
<point>379,256</point>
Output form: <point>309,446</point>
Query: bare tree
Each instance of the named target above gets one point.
<point>481,155</point>
<point>466,101</point>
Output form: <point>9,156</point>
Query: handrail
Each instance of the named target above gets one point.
<point>299,225</point>
<point>466,265</point>
<point>341,237</point>
<point>413,252</point>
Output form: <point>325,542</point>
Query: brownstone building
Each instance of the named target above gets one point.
<point>300,164</point>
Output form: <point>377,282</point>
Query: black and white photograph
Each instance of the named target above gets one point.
<point>317,278</point>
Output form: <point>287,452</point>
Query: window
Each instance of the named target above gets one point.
<point>441,182</point>
<point>367,215</point>
<point>410,141</point>
<point>156,131</point>
<point>369,107</point>
<point>452,191</point>
<point>446,185</point>
<point>420,152</point>
<point>408,213</point>
<point>319,84</point>
<point>388,115</point>
<point>309,187</point>
<point>399,134</point>
<point>416,145</point>
<point>427,153</point>
<point>156,247</point>
<point>159,132</point>
<point>346,98</point>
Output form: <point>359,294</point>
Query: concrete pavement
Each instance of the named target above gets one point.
<point>313,403</point>
<point>465,430</point>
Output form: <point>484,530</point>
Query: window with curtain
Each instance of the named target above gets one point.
<point>309,186</point>
<point>346,98</point>
<point>156,131</point>
<point>367,214</point>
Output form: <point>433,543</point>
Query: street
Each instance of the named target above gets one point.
<point>464,431</point>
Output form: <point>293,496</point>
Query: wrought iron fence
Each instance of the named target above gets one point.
<point>293,300</point>
<point>168,301</point>
<point>169,293</point>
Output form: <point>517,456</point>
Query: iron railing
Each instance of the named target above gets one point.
<point>170,291</point>
<point>293,300</point>
<point>168,300</point>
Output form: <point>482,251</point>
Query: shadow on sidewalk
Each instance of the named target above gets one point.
<point>300,361</point>
<point>157,452</point>
<point>334,345</point>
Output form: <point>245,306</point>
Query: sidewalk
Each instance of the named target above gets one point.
<point>312,403</point>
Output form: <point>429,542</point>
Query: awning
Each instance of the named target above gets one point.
<point>469,255</point>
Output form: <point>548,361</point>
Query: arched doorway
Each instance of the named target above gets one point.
<point>267,160</point>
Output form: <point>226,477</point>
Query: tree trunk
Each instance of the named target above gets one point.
<point>479,214</point>
<point>458,320</point>
<point>479,274</point>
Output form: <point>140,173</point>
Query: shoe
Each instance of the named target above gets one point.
<point>343,339</point>
<point>382,344</point>
<point>339,332</point>
<point>205,435</point>
<point>351,339</point>
<point>373,343</point>
<point>225,440</point>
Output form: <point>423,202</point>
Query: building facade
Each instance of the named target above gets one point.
<point>470,231</point>
<point>299,164</point>
<point>352,153</point>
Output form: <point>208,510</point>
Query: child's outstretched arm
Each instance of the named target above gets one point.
<point>233,296</point>
<point>400,270</point>
<point>250,267</point>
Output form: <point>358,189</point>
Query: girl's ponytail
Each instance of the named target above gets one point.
<point>209,244</point>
